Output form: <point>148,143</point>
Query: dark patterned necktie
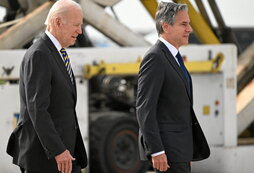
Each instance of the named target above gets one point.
<point>180,60</point>
<point>67,62</point>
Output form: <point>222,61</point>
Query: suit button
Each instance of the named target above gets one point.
<point>76,127</point>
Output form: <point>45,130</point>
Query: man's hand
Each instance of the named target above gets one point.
<point>64,162</point>
<point>160,162</point>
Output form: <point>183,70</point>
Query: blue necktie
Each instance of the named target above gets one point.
<point>180,60</point>
<point>67,63</point>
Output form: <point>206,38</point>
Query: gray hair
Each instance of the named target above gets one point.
<point>59,9</point>
<point>166,12</point>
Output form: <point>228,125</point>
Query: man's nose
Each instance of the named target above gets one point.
<point>189,29</point>
<point>79,31</point>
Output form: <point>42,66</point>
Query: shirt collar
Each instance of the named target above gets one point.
<point>170,47</point>
<point>54,40</point>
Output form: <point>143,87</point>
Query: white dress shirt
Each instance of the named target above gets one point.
<point>170,47</point>
<point>55,42</point>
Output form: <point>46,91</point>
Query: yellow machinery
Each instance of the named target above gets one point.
<point>211,66</point>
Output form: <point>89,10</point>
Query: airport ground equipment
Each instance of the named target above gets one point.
<point>106,108</point>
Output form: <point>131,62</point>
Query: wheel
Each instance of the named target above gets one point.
<point>114,145</point>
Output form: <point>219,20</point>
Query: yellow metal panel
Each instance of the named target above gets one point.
<point>211,66</point>
<point>206,110</point>
<point>112,69</point>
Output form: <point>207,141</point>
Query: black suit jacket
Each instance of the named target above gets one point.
<point>165,110</point>
<point>48,122</point>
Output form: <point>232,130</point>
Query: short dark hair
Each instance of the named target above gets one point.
<point>166,12</point>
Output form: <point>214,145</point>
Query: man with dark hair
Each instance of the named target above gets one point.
<point>170,135</point>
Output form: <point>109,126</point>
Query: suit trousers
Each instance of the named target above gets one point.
<point>75,169</point>
<point>178,168</point>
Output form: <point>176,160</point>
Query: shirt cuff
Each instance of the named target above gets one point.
<point>158,153</point>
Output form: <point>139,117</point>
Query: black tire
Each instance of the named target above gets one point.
<point>114,145</point>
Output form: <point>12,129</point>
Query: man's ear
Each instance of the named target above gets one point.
<point>165,26</point>
<point>58,22</point>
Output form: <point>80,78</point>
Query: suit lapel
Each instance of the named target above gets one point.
<point>174,64</point>
<point>60,63</point>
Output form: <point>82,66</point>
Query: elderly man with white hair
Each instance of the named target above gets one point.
<point>47,138</point>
